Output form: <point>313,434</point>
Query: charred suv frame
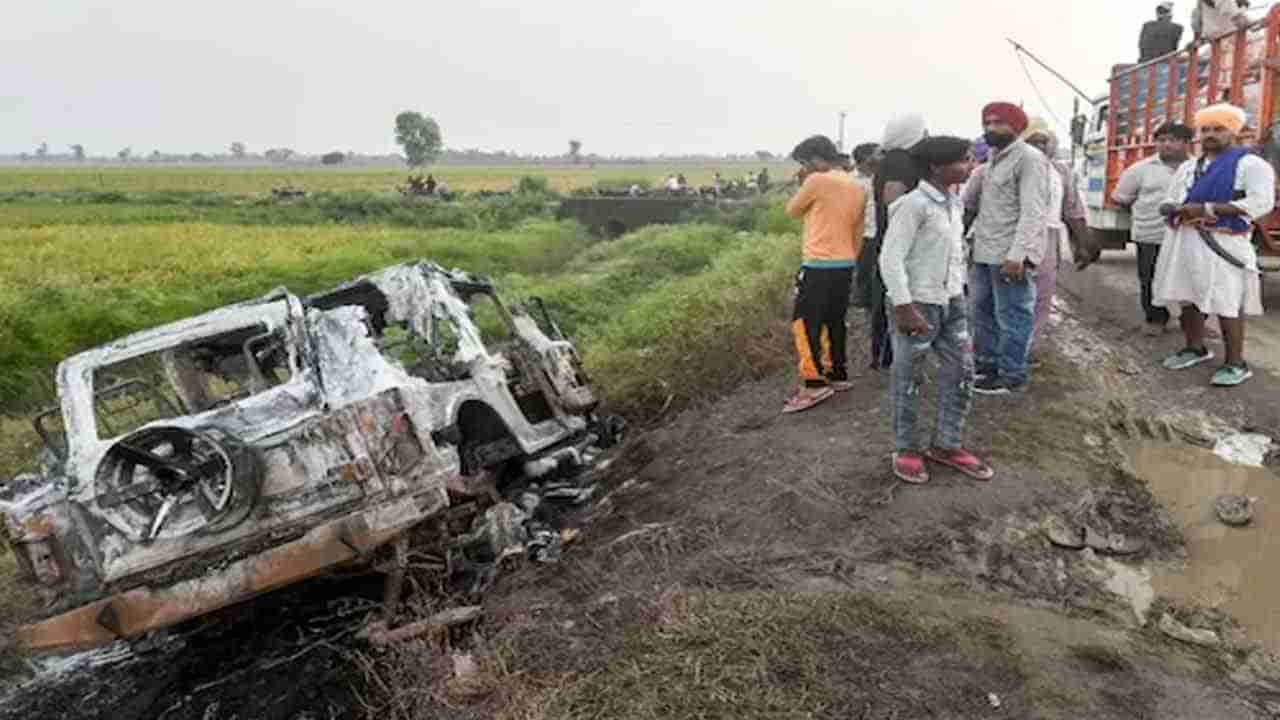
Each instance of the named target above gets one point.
<point>198,464</point>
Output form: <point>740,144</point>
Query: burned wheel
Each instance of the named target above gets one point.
<point>167,482</point>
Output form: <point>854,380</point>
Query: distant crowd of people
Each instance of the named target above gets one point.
<point>678,184</point>
<point>953,247</point>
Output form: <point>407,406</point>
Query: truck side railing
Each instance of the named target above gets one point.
<point>1238,67</point>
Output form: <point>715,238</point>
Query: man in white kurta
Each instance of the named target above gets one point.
<point>1190,272</point>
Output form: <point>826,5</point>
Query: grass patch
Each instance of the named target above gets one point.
<point>65,289</point>
<point>241,180</point>
<point>699,335</point>
<point>492,213</point>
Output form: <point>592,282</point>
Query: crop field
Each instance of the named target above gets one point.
<point>78,273</point>
<point>259,180</point>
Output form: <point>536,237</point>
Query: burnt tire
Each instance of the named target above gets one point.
<point>168,482</point>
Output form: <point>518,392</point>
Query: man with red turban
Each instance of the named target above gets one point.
<point>1008,245</point>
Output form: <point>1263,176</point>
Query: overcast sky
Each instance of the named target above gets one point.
<point>656,76</point>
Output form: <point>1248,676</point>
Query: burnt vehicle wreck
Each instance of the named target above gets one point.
<point>201,463</point>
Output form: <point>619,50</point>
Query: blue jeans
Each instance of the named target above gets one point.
<point>1004,316</point>
<point>949,338</point>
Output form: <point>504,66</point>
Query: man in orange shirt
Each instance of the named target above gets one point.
<point>832,205</point>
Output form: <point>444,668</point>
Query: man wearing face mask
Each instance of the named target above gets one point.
<point>1008,244</point>
<point>1208,263</point>
<point>1142,188</point>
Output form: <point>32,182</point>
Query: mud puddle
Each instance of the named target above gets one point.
<point>1228,568</point>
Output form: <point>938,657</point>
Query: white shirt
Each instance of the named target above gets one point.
<point>922,258</point>
<point>1254,176</point>
<point>1223,18</point>
<point>1143,187</point>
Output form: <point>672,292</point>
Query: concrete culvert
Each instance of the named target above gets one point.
<point>614,228</point>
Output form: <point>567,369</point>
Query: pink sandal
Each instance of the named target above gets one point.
<point>806,398</point>
<point>962,460</point>
<point>909,467</point>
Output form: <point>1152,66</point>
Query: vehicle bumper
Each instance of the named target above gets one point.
<point>140,610</point>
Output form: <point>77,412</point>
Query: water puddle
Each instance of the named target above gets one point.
<point>1227,567</point>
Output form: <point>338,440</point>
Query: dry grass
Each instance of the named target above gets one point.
<point>638,641</point>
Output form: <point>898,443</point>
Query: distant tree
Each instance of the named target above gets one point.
<point>125,154</point>
<point>77,152</point>
<point>333,158</point>
<point>156,156</point>
<point>419,136</point>
<point>198,157</point>
<point>575,151</point>
<point>42,152</point>
<point>764,155</point>
<point>279,155</point>
<point>238,150</point>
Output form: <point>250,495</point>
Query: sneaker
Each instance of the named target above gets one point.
<point>1187,358</point>
<point>909,467</point>
<point>996,386</point>
<point>1231,375</point>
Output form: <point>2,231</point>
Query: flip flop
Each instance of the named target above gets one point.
<point>800,402</point>
<point>963,461</point>
<point>1062,535</point>
<point>910,470</point>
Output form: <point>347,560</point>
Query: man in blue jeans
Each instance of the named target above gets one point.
<point>922,262</point>
<point>1008,243</point>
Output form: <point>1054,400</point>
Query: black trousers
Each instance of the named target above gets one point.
<point>1147,256</point>
<point>871,287</point>
<point>818,324</point>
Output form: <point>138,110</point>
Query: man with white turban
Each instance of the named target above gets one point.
<point>896,175</point>
<point>1208,264</point>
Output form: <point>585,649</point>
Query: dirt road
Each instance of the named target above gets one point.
<point>745,564</point>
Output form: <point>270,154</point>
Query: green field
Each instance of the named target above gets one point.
<point>249,180</point>
<point>79,272</point>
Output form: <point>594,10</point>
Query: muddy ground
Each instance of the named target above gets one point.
<point>745,564</point>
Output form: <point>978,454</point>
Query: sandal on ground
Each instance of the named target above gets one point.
<point>840,385</point>
<point>962,460</point>
<point>909,468</point>
<point>1065,535</point>
<point>806,398</point>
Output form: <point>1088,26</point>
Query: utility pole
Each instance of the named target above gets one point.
<point>840,142</point>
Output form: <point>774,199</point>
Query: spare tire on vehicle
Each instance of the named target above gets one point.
<point>169,482</point>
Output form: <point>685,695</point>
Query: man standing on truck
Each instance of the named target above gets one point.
<point>1208,264</point>
<point>1214,18</point>
<point>1142,188</point>
<point>831,204</point>
<point>1008,245</point>
<point>1160,36</point>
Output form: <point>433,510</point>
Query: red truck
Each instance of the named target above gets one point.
<point>1242,68</point>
